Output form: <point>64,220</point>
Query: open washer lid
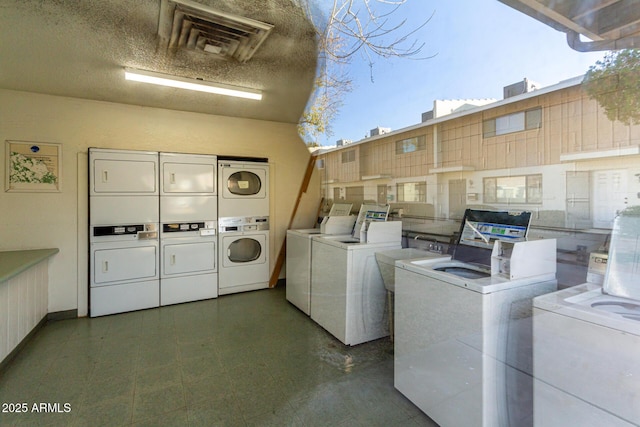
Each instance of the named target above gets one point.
<point>480,229</point>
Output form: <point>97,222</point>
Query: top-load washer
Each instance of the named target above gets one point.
<point>243,188</point>
<point>587,340</point>
<point>462,348</point>
<point>586,370</point>
<point>348,297</point>
<point>123,231</point>
<point>299,255</point>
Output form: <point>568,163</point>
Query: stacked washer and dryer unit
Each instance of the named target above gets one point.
<point>152,231</point>
<point>243,210</point>
<point>153,228</point>
<point>188,223</point>
<point>123,231</point>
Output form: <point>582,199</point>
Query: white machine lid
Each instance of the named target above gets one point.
<point>340,209</point>
<point>369,213</point>
<point>480,229</point>
<point>622,277</point>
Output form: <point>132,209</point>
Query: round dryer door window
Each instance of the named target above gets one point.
<point>244,183</point>
<point>244,250</point>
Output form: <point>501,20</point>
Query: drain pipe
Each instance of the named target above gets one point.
<point>573,40</point>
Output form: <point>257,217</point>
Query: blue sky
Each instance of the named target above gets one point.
<point>480,46</point>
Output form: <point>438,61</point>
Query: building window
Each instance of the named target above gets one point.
<point>412,192</point>
<point>409,145</point>
<point>320,163</point>
<point>348,156</point>
<point>336,194</point>
<point>533,119</point>
<point>516,122</point>
<point>513,189</point>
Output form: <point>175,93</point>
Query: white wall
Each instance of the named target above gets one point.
<point>39,220</point>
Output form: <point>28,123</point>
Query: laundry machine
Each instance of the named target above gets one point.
<point>587,342</point>
<point>586,347</point>
<point>299,255</point>
<point>122,180</point>
<point>124,270</point>
<point>188,187</point>
<point>189,262</point>
<point>243,188</point>
<point>188,218</point>
<point>348,297</point>
<point>244,254</point>
<point>123,231</point>
<point>462,347</point>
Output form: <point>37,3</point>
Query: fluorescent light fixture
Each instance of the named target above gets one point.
<point>190,84</point>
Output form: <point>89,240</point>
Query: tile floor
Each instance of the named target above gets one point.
<point>248,359</point>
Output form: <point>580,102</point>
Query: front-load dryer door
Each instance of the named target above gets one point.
<point>244,181</point>
<point>244,250</point>
<point>243,189</point>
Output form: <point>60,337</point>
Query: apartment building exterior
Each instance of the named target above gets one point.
<point>551,151</point>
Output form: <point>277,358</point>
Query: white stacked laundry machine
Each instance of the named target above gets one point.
<point>123,231</point>
<point>243,211</point>
<point>153,229</point>
<point>188,225</point>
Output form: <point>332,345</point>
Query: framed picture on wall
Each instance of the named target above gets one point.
<point>33,166</point>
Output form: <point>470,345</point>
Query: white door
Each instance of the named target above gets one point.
<point>609,196</point>
<point>124,264</point>
<point>184,258</point>
<point>123,173</point>
<point>188,174</point>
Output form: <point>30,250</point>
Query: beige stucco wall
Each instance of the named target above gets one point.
<point>38,220</point>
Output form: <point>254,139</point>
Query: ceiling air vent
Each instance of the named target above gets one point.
<point>188,25</point>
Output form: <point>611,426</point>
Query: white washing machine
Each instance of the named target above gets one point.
<point>586,346</point>
<point>124,270</point>
<point>298,267</point>
<point>462,345</point>
<point>348,297</point>
<point>243,188</point>
<point>188,217</point>
<point>462,348</point>
<point>587,340</point>
<point>189,262</point>
<point>123,231</point>
<point>299,255</point>
<point>244,254</point>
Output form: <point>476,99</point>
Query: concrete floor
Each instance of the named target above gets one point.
<point>248,359</point>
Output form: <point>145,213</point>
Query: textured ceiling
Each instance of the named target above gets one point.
<point>79,48</point>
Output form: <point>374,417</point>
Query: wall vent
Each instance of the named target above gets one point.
<point>184,24</point>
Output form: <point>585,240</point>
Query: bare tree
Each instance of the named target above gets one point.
<point>368,28</point>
